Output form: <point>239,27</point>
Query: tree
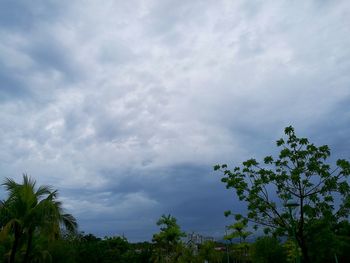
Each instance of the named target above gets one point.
<point>268,249</point>
<point>300,173</point>
<point>208,253</point>
<point>168,239</point>
<point>238,230</point>
<point>342,232</point>
<point>29,211</point>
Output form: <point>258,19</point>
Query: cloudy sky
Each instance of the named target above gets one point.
<point>125,106</point>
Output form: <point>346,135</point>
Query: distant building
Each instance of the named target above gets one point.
<point>197,239</point>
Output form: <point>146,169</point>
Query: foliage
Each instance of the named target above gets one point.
<point>63,250</point>
<point>326,241</point>
<point>28,213</point>
<point>342,232</point>
<point>292,251</point>
<point>143,252</point>
<point>268,249</point>
<point>168,240</point>
<point>207,252</point>
<point>238,230</point>
<point>115,249</point>
<point>186,254</point>
<point>90,249</point>
<point>300,173</point>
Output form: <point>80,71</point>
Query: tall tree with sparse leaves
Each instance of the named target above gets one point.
<point>300,174</point>
<point>168,240</point>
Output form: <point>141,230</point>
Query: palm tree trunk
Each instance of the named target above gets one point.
<point>15,245</point>
<point>29,246</point>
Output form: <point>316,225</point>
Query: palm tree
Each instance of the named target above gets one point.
<point>29,211</point>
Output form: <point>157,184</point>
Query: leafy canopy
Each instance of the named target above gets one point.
<point>31,212</point>
<point>301,174</point>
<point>238,230</point>
<point>170,233</point>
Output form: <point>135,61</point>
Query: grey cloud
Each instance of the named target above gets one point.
<point>335,129</point>
<point>129,105</point>
<point>11,84</point>
<point>23,15</point>
<point>30,52</point>
<point>167,20</point>
<point>116,53</point>
<point>188,192</point>
<point>50,54</point>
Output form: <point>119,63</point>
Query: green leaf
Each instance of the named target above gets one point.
<point>280,142</point>
<point>227,213</point>
<point>268,160</point>
<point>289,130</point>
<point>238,217</point>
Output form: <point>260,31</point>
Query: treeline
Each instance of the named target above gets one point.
<point>300,202</point>
<point>34,228</point>
<point>87,248</point>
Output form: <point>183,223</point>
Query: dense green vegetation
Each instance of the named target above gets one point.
<point>300,200</point>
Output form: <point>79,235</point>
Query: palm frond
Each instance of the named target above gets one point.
<point>43,190</point>
<point>9,184</point>
<point>69,222</point>
<point>28,181</point>
<point>8,228</point>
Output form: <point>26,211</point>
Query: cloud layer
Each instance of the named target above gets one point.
<point>124,106</point>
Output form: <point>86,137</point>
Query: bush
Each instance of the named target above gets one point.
<point>268,249</point>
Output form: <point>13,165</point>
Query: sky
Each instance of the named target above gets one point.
<point>125,106</point>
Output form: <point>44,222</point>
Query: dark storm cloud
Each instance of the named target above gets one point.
<point>334,131</point>
<point>193,194</point>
